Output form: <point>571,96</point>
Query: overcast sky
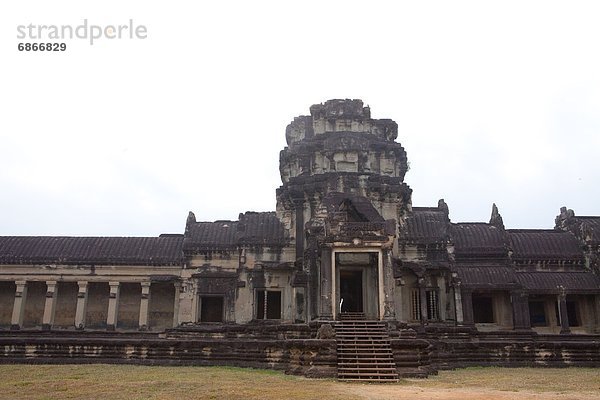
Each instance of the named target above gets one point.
<point>495,103</point>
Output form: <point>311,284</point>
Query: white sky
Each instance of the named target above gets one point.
<point>495,103</point>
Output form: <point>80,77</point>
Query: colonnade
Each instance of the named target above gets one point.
<point>125,305</point>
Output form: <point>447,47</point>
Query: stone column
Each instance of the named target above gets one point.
<point>388,286</point>
<point>19,305</point>
<point>186,303</point>
<point>326,309</point>
<point>458,305</point>
<point>562,311</point>
<point>299,204</point>
<point>144,306</point>
<point>422,299</point>
<point>597,313</point>
<point>176,319</point>
<point>80,311</point>
<point>49,306</point>
<point>520,305</point>
<point>467,303</point>
<point>113,306</point>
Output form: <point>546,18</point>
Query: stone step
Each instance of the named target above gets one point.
<point>362,365</point>
<point>376,380</point>
<point>360,333</point>
<point>363,345</point>
<point>366,370</point>
<point>365,355</point>
<point>364,352</point>
<point>344,316</point>
<point>368,375</point>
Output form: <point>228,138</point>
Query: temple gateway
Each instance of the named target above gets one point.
<point>345,278</point>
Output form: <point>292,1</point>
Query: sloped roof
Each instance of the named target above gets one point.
<point>91,250</point>
<point>550,281</point>
<point>478,239</point>
<point>260,228</point>
<point>543,244</point>
<point>486,277</point>
<point>211,235</point>
<point>253,228</point>
<point>425,225</point>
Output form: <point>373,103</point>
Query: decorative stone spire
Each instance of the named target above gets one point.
<point>496,218</point>
<point>565,220</point>
<point>191,219</point>
<point>340,137</point>
<point>444,207</point>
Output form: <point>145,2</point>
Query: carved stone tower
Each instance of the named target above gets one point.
<point>342,196</point>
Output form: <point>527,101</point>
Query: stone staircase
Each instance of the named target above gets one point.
<point>364,351</point>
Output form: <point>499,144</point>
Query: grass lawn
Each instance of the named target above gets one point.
<point>140,382</point>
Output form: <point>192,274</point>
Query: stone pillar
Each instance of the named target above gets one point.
<point>467,303</point>
<point>520,306</point>
<point>80,311</point>
<point>562,311</point>
<point>144,303</point>
<point>49,306</point>
<point>113,306</point>
<point>326,309</point>
<point>597,313</point>
<point>422,299</point>
<point>299,204</point>
<point>176,320</point>
<point>19,305</point>
<point>186,303</point>
<point>388,286</point>
<point>458,305</point>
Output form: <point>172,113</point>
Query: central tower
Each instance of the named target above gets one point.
<point>343,192</point>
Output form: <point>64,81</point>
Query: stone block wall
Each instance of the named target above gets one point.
<point>66,301</point>
<point>7,299</point>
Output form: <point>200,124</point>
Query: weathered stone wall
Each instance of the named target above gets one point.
<point>289,349</point>
<point>66,302</point>
<point>309,357</point>
<point>515,350</point>
<point>128,313</point>
<point>161,308</point>
<point>97,307</point>
<point>35,301</point>
<point>7,300</point>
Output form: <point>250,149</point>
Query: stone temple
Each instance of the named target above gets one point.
<point>345,278</point>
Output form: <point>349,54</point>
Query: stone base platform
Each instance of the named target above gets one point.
<point>295,348</point>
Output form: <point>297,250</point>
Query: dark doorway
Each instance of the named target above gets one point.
<point>268,304</point>
<point>483,309</point>
<point>537,313</point>
<point>211,309</point>
<point>351,290</point>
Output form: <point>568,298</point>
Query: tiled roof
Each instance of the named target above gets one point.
<point>91,250</point>
<point>540,244</point>
<point>425,225</point>
<point>477,239</point>
<point>211,235</point>
<point>253,228</point>
<point>260,228</point>
<point>486,277</point>
<point>549,281</point>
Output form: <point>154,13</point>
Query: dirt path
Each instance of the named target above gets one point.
<point>382,392</point>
